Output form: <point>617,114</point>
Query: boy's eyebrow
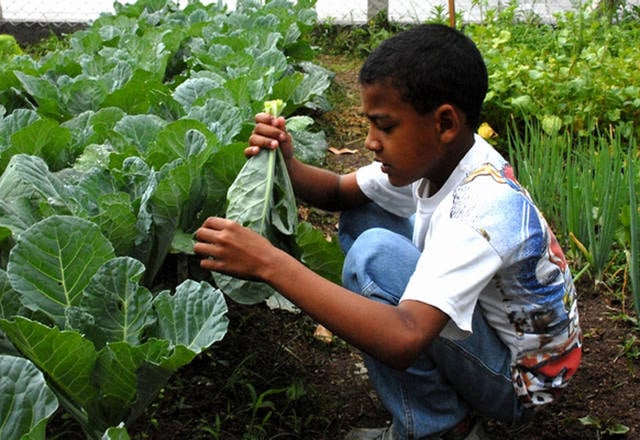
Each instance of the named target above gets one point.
<point>373,116</point>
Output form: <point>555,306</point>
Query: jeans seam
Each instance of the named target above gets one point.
<point>408,415</point>
<point>369,288</point>
<point>477,361</point>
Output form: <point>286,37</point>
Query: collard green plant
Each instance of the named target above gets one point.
<point>105,343</point>
<point>118,145</point>
<point>139,117</point>
<point>26,402</point>
<point>262,198</point>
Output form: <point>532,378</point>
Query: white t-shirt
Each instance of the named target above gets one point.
<point>484,241</point>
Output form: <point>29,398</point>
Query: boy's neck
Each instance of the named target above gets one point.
<point>457,151</point>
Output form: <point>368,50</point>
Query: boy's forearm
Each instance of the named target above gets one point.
<point>323,188</point>
<point>381,330</point>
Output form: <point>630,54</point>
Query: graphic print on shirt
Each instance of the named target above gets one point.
<point>538,294</point>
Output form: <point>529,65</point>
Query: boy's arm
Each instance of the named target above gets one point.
<point>316,186</point>
<point>395,335</point>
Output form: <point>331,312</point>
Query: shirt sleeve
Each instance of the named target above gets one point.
<point>375,185</point>
<point>456,264</point>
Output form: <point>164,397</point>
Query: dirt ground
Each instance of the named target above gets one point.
<point>270,378</point>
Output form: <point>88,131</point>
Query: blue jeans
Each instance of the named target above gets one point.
<point>451,379</point>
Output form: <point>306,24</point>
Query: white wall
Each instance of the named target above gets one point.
<point>339,11</point>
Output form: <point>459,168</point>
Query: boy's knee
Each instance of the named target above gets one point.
<point>382,257</point>
<point>366,248</point>
<point>355,222</point>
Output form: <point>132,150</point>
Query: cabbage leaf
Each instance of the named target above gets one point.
<point>261,198</point>
<point>105,343</point>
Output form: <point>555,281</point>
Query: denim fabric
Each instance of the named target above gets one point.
<point>451,378</point>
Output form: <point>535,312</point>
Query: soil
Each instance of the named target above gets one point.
<point>270,378</point>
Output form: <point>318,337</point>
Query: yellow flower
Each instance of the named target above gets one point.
<point>486,131</point>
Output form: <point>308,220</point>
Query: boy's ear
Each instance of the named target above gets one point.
<point>449,121</point>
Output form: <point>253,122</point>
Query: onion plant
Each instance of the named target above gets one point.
<point>596,190</point>
<point>579,184</point>
<point>633,174</point>
<point>540,160</point>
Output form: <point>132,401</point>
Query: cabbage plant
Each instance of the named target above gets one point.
<point>26,402</point>
<point>112,151</point>
<point>105,343</point>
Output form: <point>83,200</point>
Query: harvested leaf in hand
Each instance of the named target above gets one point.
<point>274,107</point>
<point>262,199</point>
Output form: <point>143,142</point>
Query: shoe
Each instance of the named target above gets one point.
<point>370,434</point>
<point>466,430</point>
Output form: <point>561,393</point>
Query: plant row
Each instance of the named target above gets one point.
<point>588,189</point>
<point>113,150</point>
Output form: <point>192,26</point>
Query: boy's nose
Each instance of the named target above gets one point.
<point>371,143</point>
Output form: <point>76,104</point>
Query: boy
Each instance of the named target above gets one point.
<point>453,287</point>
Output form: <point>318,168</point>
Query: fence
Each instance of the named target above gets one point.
<point>340,11</point>
<point>32,18</point>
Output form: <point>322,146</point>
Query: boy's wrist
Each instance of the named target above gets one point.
<point>276,261</point>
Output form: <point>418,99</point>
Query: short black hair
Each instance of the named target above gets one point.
<point>431,65</point>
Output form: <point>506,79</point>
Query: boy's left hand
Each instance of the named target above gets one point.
<point>232,249</point>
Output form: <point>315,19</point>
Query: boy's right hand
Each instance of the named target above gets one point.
<point>269,133</point>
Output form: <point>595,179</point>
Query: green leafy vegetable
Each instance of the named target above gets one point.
<point>115,148</point>
<point>105,344</point>
<point>274,107</point>
<point>261,198</point>
<point>24,417</point>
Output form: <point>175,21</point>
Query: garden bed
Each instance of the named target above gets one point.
<point>270,378</point>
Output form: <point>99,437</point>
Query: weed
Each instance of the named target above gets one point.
<point>608,427</point>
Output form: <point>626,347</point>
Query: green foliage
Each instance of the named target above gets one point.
<point>45,46</point>
<point>9,47</point>
<point>262,199</point>
<point>122,137</point>
<point>25,417</point>
<point>609,427</point>
<point>146,109</point>
<point>593,202</point>
<point>566,97</point>
<point>631,225</point>
<point>355,40</point>
<point>105,344</point>
<point>578,75</point>
<point>113,148</point>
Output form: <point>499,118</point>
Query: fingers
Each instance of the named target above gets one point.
<point>210,242</point>
<point>264,141</point>
<point>208,234</point>
<point>212,228</point>
<point>267,119</point>
<point>268,133</point>
<point>251,151</point>
<point>227,247</point>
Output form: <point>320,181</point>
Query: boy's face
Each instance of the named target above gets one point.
<point>407,144</point>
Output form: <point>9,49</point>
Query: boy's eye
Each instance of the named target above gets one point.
<point>387,128</point>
